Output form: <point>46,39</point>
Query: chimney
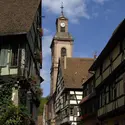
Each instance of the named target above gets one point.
<point>64,62</point>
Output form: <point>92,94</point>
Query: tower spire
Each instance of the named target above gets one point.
<point>62,7</point>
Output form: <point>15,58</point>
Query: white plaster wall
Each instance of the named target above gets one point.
<point>73,102</point>
<point>74,123</point>
<point>76,92</point>
<point>79,97</point>
<point>71,118</point>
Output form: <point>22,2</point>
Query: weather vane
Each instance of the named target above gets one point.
<point>62,9</point>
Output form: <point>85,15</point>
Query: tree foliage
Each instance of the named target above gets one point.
<point>15,116</point>
<point>43,101</point>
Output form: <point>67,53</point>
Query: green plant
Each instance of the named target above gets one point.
<point>9,113</point>
<point>15,116</point>
<point>43,101</point>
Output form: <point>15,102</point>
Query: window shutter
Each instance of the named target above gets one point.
<point>3,57</point>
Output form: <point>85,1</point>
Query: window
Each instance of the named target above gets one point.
<point>107,94</point>
<point>111,93</point>
<point>14,56</point>
<point>114,91</point>
<point>62,29</point>
<point>102,99</point>
<point>63,52</point>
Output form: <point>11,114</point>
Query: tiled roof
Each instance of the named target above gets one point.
<point>75,70</point>
<point>16,16</point>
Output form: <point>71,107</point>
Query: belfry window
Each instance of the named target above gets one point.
<point>62,29</point>
<point>63,52</point>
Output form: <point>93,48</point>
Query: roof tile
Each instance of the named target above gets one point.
<point>16,16</point>
<point>75,70</point>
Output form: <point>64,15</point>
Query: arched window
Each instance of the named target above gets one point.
<point>62,29</point>
<point>63,52</point>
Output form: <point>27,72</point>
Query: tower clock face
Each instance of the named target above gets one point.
<point>62,24</point>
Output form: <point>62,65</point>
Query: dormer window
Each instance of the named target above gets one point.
<point>63,52</point>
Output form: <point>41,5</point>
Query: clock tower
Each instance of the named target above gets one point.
<point>62,45</point>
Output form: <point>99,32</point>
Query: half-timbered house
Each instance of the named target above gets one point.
<point>71,72</point>
<point>89,103</point>
<point>109,70</point>
<point>20,50</point>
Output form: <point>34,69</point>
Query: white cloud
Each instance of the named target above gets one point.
<point>100,1</point>
<point>46,45</point>
<point>74,9</point>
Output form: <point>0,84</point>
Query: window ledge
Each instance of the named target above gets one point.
<point>12,67</point>
<point>2,66</point>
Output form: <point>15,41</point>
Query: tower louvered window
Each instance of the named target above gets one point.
<point>63,52</point>
<point>62,29</point>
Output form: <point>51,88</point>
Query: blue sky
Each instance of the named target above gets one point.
<point>91,23</point>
